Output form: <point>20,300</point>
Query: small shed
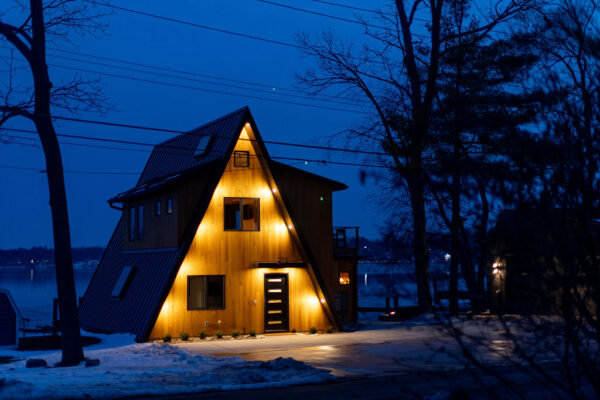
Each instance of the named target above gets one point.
<point>10,319</point>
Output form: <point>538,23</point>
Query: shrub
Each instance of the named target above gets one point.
<point>252,333</point>
<point>294,330</point>
<point>329,329</point>
<point>313,330</point>
<point>167,338</point>
<point>184,336</point>
<point>219,334</point>
<point>202,334</point>
<point>235,333</point>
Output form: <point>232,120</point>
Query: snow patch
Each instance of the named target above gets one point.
<point>150,368</point>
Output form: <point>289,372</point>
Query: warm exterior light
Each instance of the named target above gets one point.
<point>495,270</point>
<point>344,278</point>
<point>274,190</point>
<point>322,301</point>
<point>290,226</point>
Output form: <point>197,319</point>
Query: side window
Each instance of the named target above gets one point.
<point>206,292</point>
<point>158,208</point>
<point>132,223</point>
<point>140,222</point>
<point>241,214</point>
<point>169,206</point>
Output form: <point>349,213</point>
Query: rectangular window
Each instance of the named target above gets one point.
<point>242,214</point>
<point>206,292</point>
<point>140,222</point>
<point>169,206</point>
<point>123,282</point>
<point>132,223</point>
<point>344,278</point>
<point>158,209</point>
<point>241,159</point>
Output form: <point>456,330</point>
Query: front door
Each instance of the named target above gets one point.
<point>276,303</point>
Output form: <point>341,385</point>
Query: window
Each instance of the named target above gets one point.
<point>242,214</point>
<point>241,159</point>
<point>123,282</point>
<point>132,223</point>
<point>158,209</point>
<point>140,222</point>
<point>202,147</point>
<point>169,206</point>
<point>206,292</point>
<point>344,278</point>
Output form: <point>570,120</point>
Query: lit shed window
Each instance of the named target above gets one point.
<point>202,147</point>
<point>344,278</point>
<point>123,282</point>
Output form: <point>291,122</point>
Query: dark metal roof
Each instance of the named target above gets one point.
<point>99,312</point>
<point>335,185</point>
<point>177,154</point>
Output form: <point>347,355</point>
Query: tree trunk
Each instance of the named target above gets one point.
<point>72,352</point>
<point>455,248</point>
<point>420,250</point>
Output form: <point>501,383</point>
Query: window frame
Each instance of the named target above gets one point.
<point>158,208</point>
<point>170,210</point>
<point>139,222</point>
<point>204,152</point>
<point>205,280</point>
<point>132,223</point>
<point>241,214</point>
<point>236,160</point>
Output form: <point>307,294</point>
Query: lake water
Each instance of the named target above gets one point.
<point>33,288</point>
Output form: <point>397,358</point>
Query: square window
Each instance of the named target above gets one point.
<point>158,208</point>
<point>123,282</point>
<point>169,206</point>
<point>206,292</point>
<point>242,214</point>
<point>241,159</point>
<point>344,278</point>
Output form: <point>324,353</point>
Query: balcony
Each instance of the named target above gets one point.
<point>345,241</point>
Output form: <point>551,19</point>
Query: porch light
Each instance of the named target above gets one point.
<point>274,190</point>
<point>290,226</point>
<point>322,301</point>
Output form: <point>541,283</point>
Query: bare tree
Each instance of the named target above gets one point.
<point>397,72</point>
<point>39,23</point>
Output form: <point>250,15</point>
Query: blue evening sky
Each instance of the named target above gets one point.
<point>26,216</point>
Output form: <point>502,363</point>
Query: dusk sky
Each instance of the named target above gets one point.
<point>142,39</point>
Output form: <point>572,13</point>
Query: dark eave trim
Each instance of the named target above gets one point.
<point>278,264</point>
<point>335,185</point>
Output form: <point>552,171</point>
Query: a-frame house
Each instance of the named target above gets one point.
<point>218,236</point>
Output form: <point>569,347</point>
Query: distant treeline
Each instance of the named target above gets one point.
<point>41,255</point>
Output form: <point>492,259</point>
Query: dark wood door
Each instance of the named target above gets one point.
<point>276,303</point>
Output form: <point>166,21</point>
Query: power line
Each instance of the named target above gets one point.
<point>201,26</point>
<point>42,170</point>
<point>214,91</point>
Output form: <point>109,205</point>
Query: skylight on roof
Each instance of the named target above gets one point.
<point>202,147</point>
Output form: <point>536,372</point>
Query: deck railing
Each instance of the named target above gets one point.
<point>345,240</point>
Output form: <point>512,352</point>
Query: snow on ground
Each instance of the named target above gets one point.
<point>148,368</point>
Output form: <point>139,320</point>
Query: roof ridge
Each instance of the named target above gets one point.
<point>191,131</point>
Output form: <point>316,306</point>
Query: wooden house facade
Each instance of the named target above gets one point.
<point>218,236</point>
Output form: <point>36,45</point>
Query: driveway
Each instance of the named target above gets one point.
<point>378,349</point>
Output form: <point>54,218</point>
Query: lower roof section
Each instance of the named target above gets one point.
<point>132,312</point>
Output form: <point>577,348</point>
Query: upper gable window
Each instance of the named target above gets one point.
<point>242,214</point>
<point>202,147</point>
<point>241,159</point>
<point>123,281</point>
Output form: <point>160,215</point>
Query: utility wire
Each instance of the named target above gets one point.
<point>206,90</point>
<point>42,170</point>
